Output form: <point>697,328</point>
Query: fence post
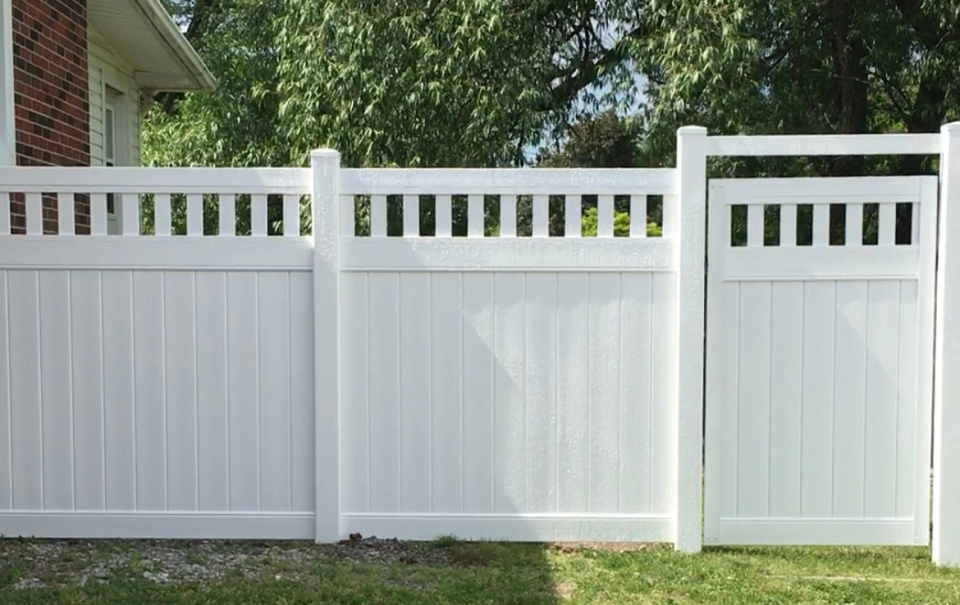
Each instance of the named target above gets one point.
<point>946,388</point>
<point>691,284</point>
<point>325,164</point>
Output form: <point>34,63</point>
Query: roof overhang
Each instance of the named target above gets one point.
<point>145,36</point>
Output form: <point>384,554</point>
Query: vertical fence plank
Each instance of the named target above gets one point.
<point>508,216</point>
<point>788,225</point>
<point>603,329</point>
<point>291,215</point>
<point>161,214</point>
<point>850,365</point>
<point>355,387</point>
<point>228,214</point>
<point>444,222</point>
<point>786,412</point>
<point>755,225</point>
<point>573,206</point>
<point>98,214</point>
<point>24,350</point>
<point>411,215</point>
<point>119,390</point>
<point>378,216</point>
<point>4,213</point>
<point>887,235</point>
<point>821,224</point>
<point>541,216</point>
<point>213,465</point>
<point>687,369</point>
<point>925,217</point>
<point>385,382</point>
<point>86,340</point>
<point>274,343</point>
<point>130,214</point>
<point>195,214</point>
<point>605,216</point>
<point>258,215</point>
<point>853,228</point>
<point>817,392</point>
<point>753,401</point>
<point>638,216</point>
<point>6,409</point>
<point>475,216</point>
<point>302,391</point>
<point>415,365</point>
<point>244,476</point>
<point>474,329</point>
<point>34,214</point>
<point>946,419</point>
<point>915,218</point>
<point>573,392</point>
<point>65,214</point>
<point>446,412</point>
<point>181,360</point>
<point>326,300</point>
<point>56,399</point>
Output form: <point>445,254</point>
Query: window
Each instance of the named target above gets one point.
<point>110,142</point>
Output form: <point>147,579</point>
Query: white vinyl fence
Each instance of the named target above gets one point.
<point>373,369</point>
<point>512,387</point>
<point>819,400</point>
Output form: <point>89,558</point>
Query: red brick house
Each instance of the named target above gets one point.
<point>77,77</point>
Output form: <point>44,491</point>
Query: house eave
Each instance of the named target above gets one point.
<point>141,33</point>
<point>201,79</point>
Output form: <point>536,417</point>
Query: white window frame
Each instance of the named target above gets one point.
<point>7,123</point>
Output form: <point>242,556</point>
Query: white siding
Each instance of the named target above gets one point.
<point>106,68</point>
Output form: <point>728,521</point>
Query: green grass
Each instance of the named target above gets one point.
<point>450,571</point>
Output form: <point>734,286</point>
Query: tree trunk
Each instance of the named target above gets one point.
<point>849,82</point>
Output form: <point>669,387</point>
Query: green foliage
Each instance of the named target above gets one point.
<point>435,83</point>
<point>603,141</point>
<point>843,66</point>
<point>621,224</point>
<point>237,124</point>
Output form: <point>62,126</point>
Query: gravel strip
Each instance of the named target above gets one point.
<point>65,563</point>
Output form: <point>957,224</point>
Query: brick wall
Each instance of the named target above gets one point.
<point>51,95</point>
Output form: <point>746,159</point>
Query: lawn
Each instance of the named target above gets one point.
<point>448,571</point>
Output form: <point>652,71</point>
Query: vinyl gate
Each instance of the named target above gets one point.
<point>819,361</point>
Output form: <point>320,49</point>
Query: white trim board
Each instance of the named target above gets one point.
<point>507,254</point>
<point>165,525</point>
<point>519,527</point>
<point>815,532</point>
<point>157,253</point>
<point>824,144</point>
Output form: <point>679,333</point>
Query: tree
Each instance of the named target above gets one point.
<point>472,82</point>
<point>809,66</point>
<point>606,140</point>
<point>452,82</point>
<point>238,124</point>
